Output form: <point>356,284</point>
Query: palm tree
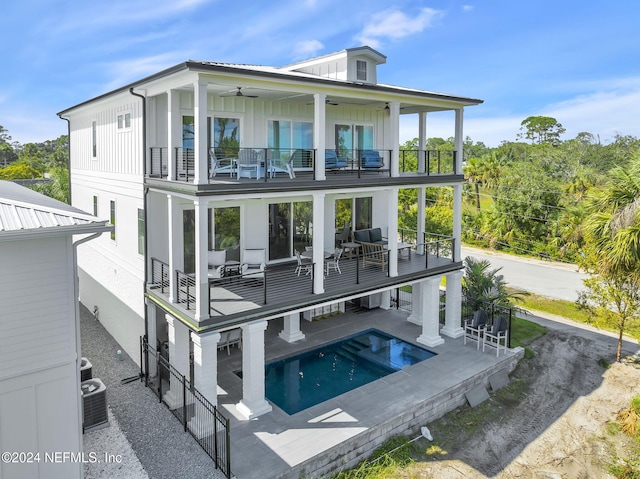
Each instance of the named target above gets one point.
<point>481,284</point>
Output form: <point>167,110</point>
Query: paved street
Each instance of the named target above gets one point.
<point>547,278</point>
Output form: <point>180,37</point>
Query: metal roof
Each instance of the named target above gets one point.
<point>25,210</point>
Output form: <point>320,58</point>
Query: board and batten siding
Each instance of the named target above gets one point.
<point>37,321</point>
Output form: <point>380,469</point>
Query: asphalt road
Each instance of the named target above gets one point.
<point>546,278</point>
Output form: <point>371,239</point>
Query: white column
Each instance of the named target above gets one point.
<point>459,140</point>
<point>318,243</point>
<point>205,365</point>
<point>385,299</point>
<point>291,331</point>
<point>202,278</point>
<point>176,257</point>
<point>416,304</point>
<point>178,358</point>
<point>392,233</point>
<point>253,402</point>
<point>319,133</point>
<point>174,133</point>
<point>152,337</point>
<point>422,204</point>
<point>394,137</point>
<point>422,141</point>
<point>457,222</point>
<point>431,313</point>
<point>201,162</point>
<point>453,312</point>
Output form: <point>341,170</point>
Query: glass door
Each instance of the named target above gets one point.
<point>226,231</point>
<point>279,231</point>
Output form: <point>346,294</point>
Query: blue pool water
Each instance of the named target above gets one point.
<point>302,381</point>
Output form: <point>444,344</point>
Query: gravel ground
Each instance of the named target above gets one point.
<point>143,432</point>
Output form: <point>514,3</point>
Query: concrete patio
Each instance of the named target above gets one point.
<point>342,431</point>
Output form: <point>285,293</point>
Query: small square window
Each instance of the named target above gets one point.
<point>127,120</point>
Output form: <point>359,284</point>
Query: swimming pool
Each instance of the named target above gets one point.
<point>307,379</point>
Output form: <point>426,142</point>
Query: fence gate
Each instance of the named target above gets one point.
<point>208,426</point>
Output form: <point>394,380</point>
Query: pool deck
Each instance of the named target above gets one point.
<point>343,430</point>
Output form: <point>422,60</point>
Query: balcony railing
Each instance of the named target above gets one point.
<point>436,162</point>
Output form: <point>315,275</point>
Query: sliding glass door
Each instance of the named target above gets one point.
<point>290,228</point>
<point>350,138</point>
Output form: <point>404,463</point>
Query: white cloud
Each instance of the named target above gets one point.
<point>307,48</point>
<point>127,71</point>
<point>394,24</point>
<point>467,8</point>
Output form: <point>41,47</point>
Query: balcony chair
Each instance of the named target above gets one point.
<point>221,165</point>
<point>278,165</point>
<point>334,262</point>
<point>343,236</point>
<point>497,335</point>
<point>248,164</point>
<point>304,264</point>
<point>216,259</point>
<point>375,254</point>
<point>230,338</point>
<point>474,328</point>
<point>253,263</point>
<point>332,162</point>
<point>371,159</point>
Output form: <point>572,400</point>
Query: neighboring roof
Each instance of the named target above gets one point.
<point>277,72</point>
<point>25,212</point>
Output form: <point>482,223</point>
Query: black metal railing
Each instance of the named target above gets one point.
<point>493,311</point>
<point>204,421</point>
<point>184,167</point>
<point>429,162</point>
<point>186,289</point>
<point>159,275</point>
<point>360,161</point>
<point>159,157</point>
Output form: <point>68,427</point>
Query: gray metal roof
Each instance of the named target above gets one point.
<point>22,209</point>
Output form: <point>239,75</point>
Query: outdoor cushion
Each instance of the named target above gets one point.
<point>331,160</point>
<point>499,325</point>
<point>371,159</point>
<point>375,235</point>
<point>361,236</point>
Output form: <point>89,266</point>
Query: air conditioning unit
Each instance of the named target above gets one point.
<point>94,403</point>
<point>85,369</point>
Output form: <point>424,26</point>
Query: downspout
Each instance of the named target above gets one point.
<point>68,151</point>
<point>145,191</point>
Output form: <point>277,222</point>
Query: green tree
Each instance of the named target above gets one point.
<point>542,129</point>
<point>19,171</point>
<point>482,284</point>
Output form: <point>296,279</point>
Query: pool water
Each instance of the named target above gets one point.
<point>302,381</point>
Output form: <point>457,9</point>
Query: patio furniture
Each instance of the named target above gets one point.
<point>216,259</point>
<point>230,338</point>
<point>404,247</point>
<point>371,159</point>
<point>375,254</point>
<point>343,236</point>
<point>232,268</point>
<point>248,164</point>
<point>332,162</point>
<point>334,262</point>
<point>351,247</point>
<point>370,235</point>
<point>253,263</point>
<point>221,165</point>
<point>475,327</point>
<point>497,336</point>
<point>278,165</point>
<point>304,264</point>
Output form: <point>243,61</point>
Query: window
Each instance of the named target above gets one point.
<point>94,141</point>
<point>140,231</point>
<point>225,136</point>
<point>361,70</point>
<point>112,218</point>
<point>226,225</point>
<point>124,121</point>
<point>290,227</point>
<point>287,136</point>
<point>353,137</point>
<point>95,206</point>
<point>354,211</point>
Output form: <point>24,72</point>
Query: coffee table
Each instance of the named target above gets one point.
<point>351,246</point>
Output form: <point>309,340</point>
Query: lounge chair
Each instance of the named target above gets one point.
<point>371,159</point>
<point>332,162</point>
<point>221,165</point>
<point>497,336</point>
<point>253,263</point>
<point>474,329</point>
<point>248,164</point>
<point>217,259</point>
<point>278,165</point>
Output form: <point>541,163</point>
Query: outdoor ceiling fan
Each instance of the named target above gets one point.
<point>327,102</point>
<point>238,92</point>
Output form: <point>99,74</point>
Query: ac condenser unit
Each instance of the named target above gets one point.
<point>85,369</point>
<point>94,403</point>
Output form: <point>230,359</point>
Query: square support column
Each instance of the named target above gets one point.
<point>152,337</point>
<point>205,379</point>
<point>394,137</point>
<point>430,313</point>
<point>453,311</point>
<point>319,127</point>
<point>385,299</point>
<point>174,133</point>
<point>253,402</point>
<point>200,157</point>
<point>291,332</point>
<point>202,278</point>
<point>175,252</point>
<point>416,304</point>
<point>318,243</point>
<point>392,221</point>
<point>178,358</point>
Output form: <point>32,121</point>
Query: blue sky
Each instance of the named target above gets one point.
<point>577,61</point>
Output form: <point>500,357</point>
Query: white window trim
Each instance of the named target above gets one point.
<point>122,115</point>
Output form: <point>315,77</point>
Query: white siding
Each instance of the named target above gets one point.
<point>36,291</point>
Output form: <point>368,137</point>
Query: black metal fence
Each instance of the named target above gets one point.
<point>208,426</point>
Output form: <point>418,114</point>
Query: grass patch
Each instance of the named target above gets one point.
<point>559,307</point>
<point>524,332</point>
<point>385,462</point>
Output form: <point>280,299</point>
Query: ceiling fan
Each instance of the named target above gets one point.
<point>327,102</point>
<point>238,92</point>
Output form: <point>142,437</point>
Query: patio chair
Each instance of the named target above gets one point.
<point>253,263</point>
<point>248,164</point>
<point>216,259</point>
<point>475,327</point>
<point>332,162</point>
<point>221,165</point>
<point>497,336</point>
<point>304,264</point>
<point>343,236</point>
<point>370,159</point>
<point>278,165</point>
<point>334,262</point>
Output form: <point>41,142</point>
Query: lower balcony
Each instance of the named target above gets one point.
<point>235,298</point>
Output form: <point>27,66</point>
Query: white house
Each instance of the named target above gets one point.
<point>215,174</point>
<point>40,409</point>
